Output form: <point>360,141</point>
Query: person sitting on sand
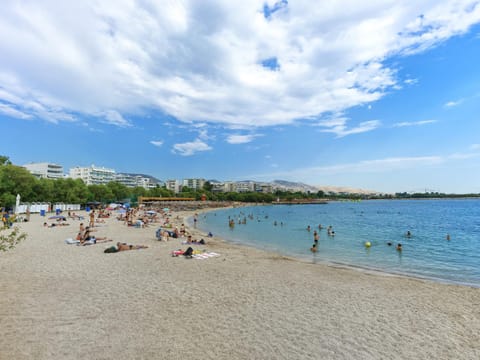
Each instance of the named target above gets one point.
<point>87,236</point>
<point>93,241</point>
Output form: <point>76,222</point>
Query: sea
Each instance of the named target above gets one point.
<point>444,241</point>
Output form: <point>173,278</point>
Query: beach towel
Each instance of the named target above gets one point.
<point>205,255</point>
<point>70,241</point>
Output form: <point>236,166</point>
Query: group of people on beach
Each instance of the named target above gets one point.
<point>85,235</point>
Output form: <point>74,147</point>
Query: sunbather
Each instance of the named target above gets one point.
<point>123,247</point>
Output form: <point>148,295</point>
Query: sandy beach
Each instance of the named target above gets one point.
<point>60,301</point>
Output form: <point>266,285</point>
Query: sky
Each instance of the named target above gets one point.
<point>377,95</point>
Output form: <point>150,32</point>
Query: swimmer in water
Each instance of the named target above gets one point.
<point>399,247</point>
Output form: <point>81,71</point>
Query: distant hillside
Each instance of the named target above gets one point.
<point>302,187</point>
<point>344,189</point>
<point>298,186</point>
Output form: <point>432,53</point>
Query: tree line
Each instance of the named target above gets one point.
<point>18,180</point>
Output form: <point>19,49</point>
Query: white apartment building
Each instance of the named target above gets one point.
<point>45,170</point>
<point>134,180</point>
<point>264,188</point>
<point>173,185</point>
<point>93,175</point>
<point>195,184</point>
<point>244,186</point>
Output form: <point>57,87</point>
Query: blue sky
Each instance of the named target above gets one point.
<point>382,96</point>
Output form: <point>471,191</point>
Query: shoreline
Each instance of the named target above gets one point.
<point>66,302</point>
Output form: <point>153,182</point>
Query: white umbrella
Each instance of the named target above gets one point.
<point>17,204</point>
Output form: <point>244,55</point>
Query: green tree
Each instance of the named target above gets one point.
<point>119,191</point>
<point>15,180</point>
<point>5,160</point>
<point>207,186</point>
<point>100,193</point>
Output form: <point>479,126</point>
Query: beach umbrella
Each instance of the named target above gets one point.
<point>17,204</point>
<point>58,217</point>
<point>122,211</point>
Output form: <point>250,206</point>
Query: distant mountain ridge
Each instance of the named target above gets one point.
<point>302,187</point>
<point>299,186</point>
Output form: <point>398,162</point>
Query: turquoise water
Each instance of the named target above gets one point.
<point>427,253</point>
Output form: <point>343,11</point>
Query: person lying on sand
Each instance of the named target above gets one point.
<point>123,247</point>
<point>53,224</point>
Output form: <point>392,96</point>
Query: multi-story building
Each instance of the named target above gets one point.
<point>45,170</point>
<point>245,186</point>
<point>134,180</point>
<point>263,188</point>
<point>195,184</point>
<point>218,187</point>
<point>93,175</point>
<point>229,186</point>
<point>173,185</point>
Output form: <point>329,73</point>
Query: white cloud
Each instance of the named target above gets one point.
<point>410,81</point>
<point>450,104</point>
<point>201,61</point>
<point>12,112</point>
<point>156,143</point>
<point>360,167</point>
<point>414,123</point>
<point>241,139</point>
<point>475,147</point>
<point>113,117</point>
<point>339,127</point>
<point>190,148</point>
